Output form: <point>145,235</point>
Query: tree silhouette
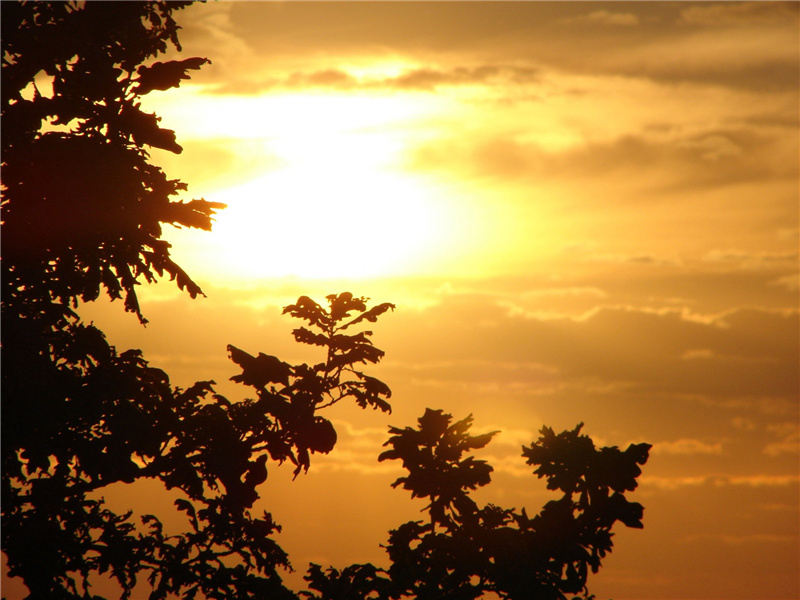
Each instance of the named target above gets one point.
<point>465,551</point>
<point>82,213</point>
<point>83,209</point>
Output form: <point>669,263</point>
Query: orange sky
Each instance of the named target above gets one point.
<point>585,212</point>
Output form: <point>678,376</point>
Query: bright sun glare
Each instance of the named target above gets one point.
<point>338,205</point>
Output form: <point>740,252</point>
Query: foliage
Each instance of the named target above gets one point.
<point>83,209</point>
<point>466,551</point>
<point>86,417</point>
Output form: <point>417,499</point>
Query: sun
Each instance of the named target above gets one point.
<point>339,203</point>
<point>310,222</point>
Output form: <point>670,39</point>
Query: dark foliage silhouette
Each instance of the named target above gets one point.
<point>82,215</point>
<point>465,551</point>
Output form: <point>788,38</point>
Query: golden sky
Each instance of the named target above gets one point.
<point>585,212</point>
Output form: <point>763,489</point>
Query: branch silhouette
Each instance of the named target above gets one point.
<point>83,209</point>
<point>467,551</point>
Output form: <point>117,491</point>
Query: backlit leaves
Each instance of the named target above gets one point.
<point>292,394</point>
<point>432,454</point>
<point>163,76</point>
<point>261,370</point>
<point>468,551</point>
<point>88,191</point>
<point>83,210</point>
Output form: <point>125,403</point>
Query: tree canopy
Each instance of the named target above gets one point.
<point>82,214</point>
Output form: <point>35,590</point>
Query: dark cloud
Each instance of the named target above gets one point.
<point>755,260</point>
<point>751,47</point>
<point>422,79</point>
<point>742,353</point>
<point>715,157</point>
<point>720,14</point>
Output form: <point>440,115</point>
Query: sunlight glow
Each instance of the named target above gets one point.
<point>317,223</point>
<point>339,205</point>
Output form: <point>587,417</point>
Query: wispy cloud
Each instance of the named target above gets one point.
<point>739,13</point>
<point>606,17</point>
<point>671,483</point>
<point>754,260</point>
<point>687,446</point>
<point>788,435</point>
<point>424,78</point>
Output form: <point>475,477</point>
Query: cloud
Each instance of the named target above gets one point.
<point>745,352</point>
<point>211,31</point>
<point>739,13</point>
<point>687,447</point>
<point>646,160</point>
<point>360,437</point>
<point>757,481</point>
<point>749,47</point>
<point>605,17</point>
<point>758,57</point>
<point>788,435</point>
<point>745,539</point>
<point>430,79</point>
<point>426,78</point>
<point>345,460</point>
<point>670,483</point>
<point>636,259</point>
<point>743,423</point>
<point>789,282</point>
<point>754,260</point>
<point>697,353</point>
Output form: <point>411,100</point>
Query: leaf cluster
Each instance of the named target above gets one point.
<point>82,214</point>
<point>432,456</point>
<point>87,417</point>
<point>289,396</point>
<point>83,206</point>
<point>466,551</point>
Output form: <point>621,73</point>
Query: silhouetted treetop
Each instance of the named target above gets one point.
<point>432,455</point>
<point>83,207</point>
<point>85,417</point>
<point>466,551</point>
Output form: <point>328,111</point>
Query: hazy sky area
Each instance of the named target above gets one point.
<point>584,212</point>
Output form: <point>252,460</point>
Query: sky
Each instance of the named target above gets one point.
<point>584,212</point>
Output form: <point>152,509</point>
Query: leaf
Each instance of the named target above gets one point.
<point>639,452</point>
<point>371,315</point>
<point>165,75</point>
<point>322,436</point>
<point>479,441</point>
<point>185,506</point>
<point>258,371</point>
<point>304,336</point>
<point>342,304</point>
<point>145,130</point>
<point>369,392</point>
<point>305,308</point>
<point>195,213</point>
<point>433,424</point>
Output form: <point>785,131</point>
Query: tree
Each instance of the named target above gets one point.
<point>82,212</point>
<point>83,209</point>
<point>465,551</point>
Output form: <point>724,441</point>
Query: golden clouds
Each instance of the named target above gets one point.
<point>533,125</point>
